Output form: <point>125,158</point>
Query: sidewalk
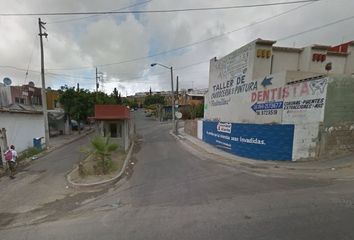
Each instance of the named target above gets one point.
<point>341,168</point>
<point>55,143</point>
<point>61,140</point>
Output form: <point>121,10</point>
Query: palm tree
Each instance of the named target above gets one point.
<point>103,149</point>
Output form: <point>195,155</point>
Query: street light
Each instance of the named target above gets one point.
<point>174,127</point>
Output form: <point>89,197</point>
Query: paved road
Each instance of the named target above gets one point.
<point>42,182</point>
<point>173,194</point>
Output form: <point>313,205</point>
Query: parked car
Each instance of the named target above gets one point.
<point>75,125</point>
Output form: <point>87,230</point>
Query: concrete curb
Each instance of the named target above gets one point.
<point>178,137</point>
<point>265,167</point>
<point>45,152</point>
<point>83,186</point>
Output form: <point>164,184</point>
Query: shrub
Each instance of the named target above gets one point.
<point>102,149</point>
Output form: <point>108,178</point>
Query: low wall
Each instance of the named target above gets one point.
<point>191,127</point>
<point>336,140</point>
<point>256,141</point>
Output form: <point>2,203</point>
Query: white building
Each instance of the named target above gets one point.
<point>276,103</point>
<point>22,124</point>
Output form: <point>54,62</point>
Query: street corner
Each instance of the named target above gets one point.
<point>102,180</point>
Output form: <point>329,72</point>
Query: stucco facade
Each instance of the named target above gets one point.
<point>259,86</point>
<point>21,128</point>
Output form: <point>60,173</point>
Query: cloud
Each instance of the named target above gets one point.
<point>115,38</point>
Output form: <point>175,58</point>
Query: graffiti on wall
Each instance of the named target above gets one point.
<point>231,78</point>
<point>300,96</point>
<point>309,106</point>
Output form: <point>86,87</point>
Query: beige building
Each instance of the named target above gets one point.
<point>269,59</point>
<point>261,91</point>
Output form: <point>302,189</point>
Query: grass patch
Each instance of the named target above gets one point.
<point>88,169</point>
<point>29,152</point>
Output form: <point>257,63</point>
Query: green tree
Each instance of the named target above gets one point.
<point>102,149</point>
<point>116,95</point>
<point>154,99</point>
<point>67,98</point>
<point>200,111</point>
<point>194,111</point>
<point>79,104</point>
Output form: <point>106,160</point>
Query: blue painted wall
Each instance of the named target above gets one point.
<point>256,141</point>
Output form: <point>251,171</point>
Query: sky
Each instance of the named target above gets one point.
<point>123,46</point>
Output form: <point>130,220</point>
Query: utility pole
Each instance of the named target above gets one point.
<point>43,91</point>
<point>176,129</point>
<point>173,102</point>
<point>3,146</point>
<point>78,112</point>
<point>177,90</point>
<point>97,84</point>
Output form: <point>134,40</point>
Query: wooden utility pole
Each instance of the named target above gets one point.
<point>96,80</point>
<point>177,104</point>
<point>78,112</point>
<point>3,145</point>
<point>43,91</point>
<point>177,90</point>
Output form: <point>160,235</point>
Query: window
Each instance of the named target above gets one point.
<point>36,100</point>
<point>19,100</point>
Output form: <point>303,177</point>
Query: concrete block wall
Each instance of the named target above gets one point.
<point>305,145</point>
<point>337,133</point>
<point>21,128</point>
<point>191,127</point>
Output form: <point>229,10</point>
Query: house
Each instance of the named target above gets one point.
<point>281,103</point>
<point>114,121</point>
<point>21,124</point>
<point>193,96</point>
<point>26,94</point>
<point>52,99</point>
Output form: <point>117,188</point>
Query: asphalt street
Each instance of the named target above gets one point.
<point>171,193</point>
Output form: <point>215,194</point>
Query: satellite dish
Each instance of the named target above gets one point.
<point>7,81</point>
<point>328,67</point>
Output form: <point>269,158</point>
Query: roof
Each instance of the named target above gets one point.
<point>341,48</point>
<point>195,94</point>
<point>21,108</point>
<point>320,47</point>
<point>343,54</point>
<point>287,49</point>
<point>111,112</point>
<point>260,41</point>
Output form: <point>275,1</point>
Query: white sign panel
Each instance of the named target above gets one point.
<point>306,103</point>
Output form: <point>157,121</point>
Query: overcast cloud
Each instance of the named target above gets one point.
<point>87,42</point>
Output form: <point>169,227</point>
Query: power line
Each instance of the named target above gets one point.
<point>47,73</point>
<point>189,44</point>
<point>165,72</point>
<point>30,59</point>
<point>318,27</point>
<point>279,39</point>
<point>92,16</point>
<point>153,11</point>
<point>190,65</point>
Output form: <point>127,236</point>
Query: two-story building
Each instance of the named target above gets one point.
<point>281,103</point>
